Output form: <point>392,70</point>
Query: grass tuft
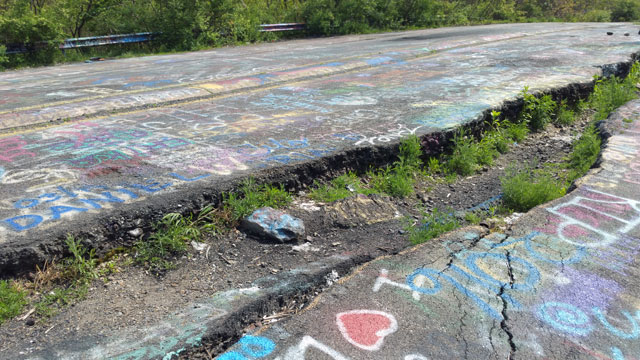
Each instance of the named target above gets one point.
<point>435,224</point>
<point>462,160</point>
<point>339,188</point>
<point>172,235</point>
<point>12,300</point>
<point>565,116</point>
<point>613,92</point>
<point>537,111</point>
<point>254,197</point>
<point>526,189</point>
<point>585,153</point>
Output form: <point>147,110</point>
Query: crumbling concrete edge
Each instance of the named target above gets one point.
<point>117,227</point>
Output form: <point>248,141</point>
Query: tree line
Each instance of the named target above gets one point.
<point>194,24</point>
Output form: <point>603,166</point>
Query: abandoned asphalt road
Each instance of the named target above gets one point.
<point>286,111</point>
<point>562,285</point>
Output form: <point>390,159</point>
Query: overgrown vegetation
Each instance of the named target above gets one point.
<point>527,188</point>
<point>12,300</point>
<point>60,284</point>
<point>194,24</point>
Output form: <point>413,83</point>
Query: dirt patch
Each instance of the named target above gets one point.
<point>366,226</point>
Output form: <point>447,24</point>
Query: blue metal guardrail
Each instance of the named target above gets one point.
<point>76,43</point>
<point>282,27</point>
<point>107,40</point>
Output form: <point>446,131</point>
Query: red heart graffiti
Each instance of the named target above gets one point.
<point>366,329</point>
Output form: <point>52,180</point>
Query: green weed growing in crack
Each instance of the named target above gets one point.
<point>462,160</point>
<point>516,131</point>
<point>613,92</point>
<point>12,300</point>
<point>251,197</point>
<point>409,155</point>
<point>73,274</point>
<point>397,180</point>
<point>472,217</point>
<point>171,236</point>
<point>394,181</point>
<point>339,188</point>
<point>433,225</point>
<point>537,112</point>
<point>434,166</point>
<point>82,265</point>
<point>585,153</point>
<point>565,116</point>
<point>527,188</point>
<point>498,136</point>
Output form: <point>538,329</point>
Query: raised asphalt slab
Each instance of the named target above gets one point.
<point>564,285</point>
<point>107,179</point>
<point>69,91</point>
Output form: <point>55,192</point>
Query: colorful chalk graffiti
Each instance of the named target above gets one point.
<point>564,289</point>
<point>402,90</point>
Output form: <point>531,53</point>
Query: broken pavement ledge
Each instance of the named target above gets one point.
<point>107,180</point>
<point>564,285</point>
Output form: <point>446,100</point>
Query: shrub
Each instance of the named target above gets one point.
<point>625,10</point>
<point>38,34</point>
<point>597,16</point>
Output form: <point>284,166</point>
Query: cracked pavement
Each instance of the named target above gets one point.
<point>561,283</point>
<point>160,134</point>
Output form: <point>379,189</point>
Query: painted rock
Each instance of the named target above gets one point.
<point>274,224</point>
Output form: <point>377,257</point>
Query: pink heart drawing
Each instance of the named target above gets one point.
<point>366,329</point>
